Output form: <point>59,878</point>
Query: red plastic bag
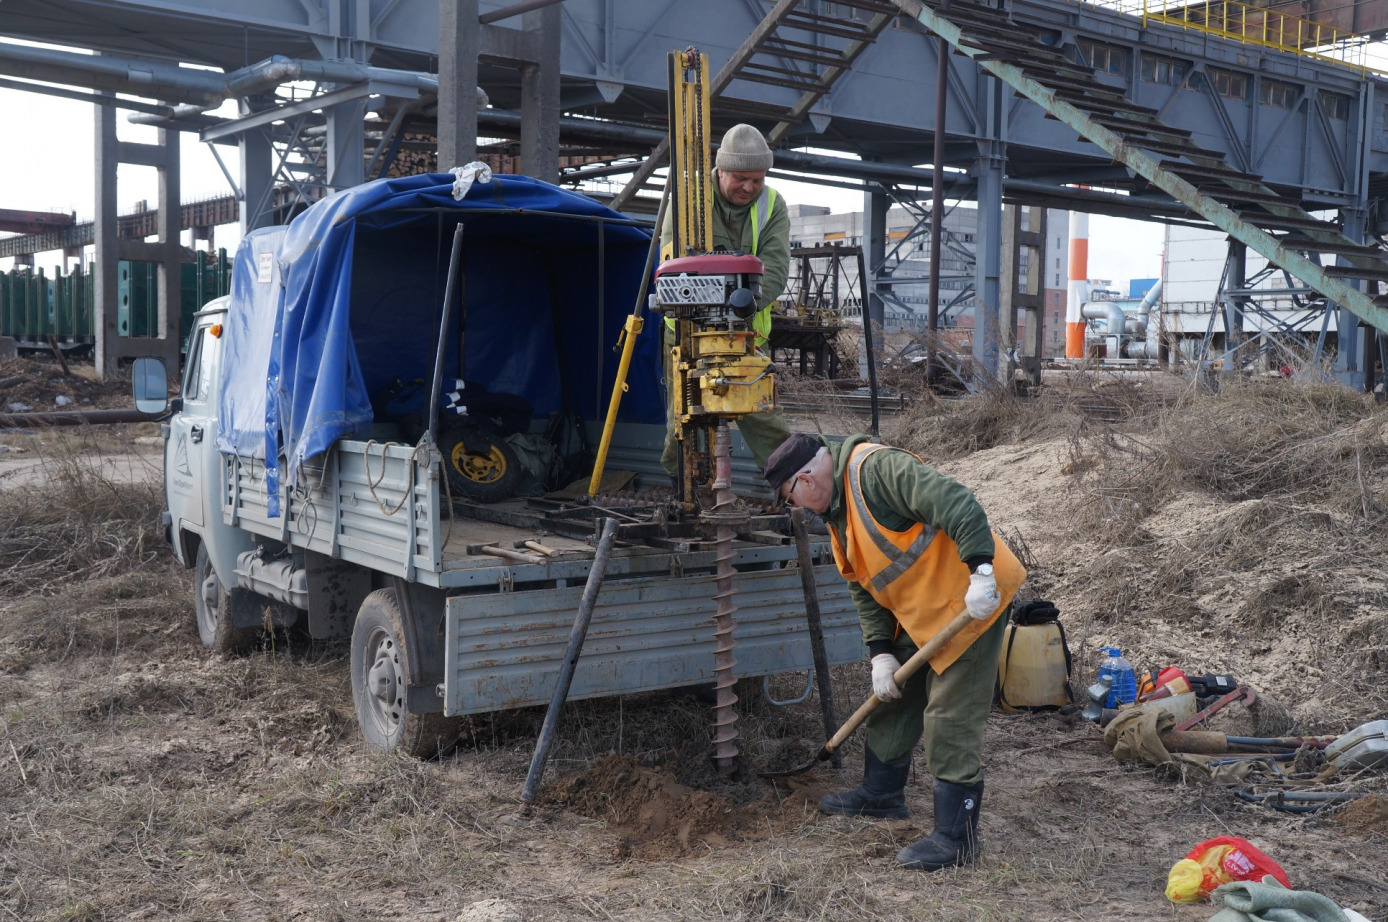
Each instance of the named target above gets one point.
<point>1219,861</point>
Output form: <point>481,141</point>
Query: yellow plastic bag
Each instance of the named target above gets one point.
<point>1216,862</point>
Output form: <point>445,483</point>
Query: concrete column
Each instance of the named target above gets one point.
<point>346,146</point>
<point>458,46</point>
<point>257,177</point>
<point>1232,300</point>
<point>106,284</point>
<point>988,260</point>
<point>1009,270</point>
<point>1021,294</point>
<point>170,247</point>
<point>257,180</point>
<point>1351,356</point>
<point>540,97</point>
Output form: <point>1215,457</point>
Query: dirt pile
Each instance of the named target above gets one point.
<point>651,813</point>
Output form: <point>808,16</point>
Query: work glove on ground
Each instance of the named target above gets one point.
<point>884,666</point>
<point>982,599</point>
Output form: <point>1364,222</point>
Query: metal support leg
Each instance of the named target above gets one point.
<point>815,626</point>
<point>566,669</point>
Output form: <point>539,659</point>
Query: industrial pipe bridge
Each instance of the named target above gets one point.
<point>1254,122</point>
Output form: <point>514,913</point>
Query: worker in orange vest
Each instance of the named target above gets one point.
<point>916,549</point>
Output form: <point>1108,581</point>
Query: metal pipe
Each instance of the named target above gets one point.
<point>571,654</point>
<point>937,211</point>
<point>1109,311</point>
<point>150,79</point>
<point>278,69</point>
<point>815,625</point>
<point>73,418</point>
<point>453,264</point>
<point>1144,309</point>
<point>1149,348</point>
<point>867,342</point>
<point>515,10</point>
<point>200,88</point>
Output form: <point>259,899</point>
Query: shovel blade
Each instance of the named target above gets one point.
<point>822,756</point>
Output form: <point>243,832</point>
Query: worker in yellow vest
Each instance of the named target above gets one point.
<point>750,217</point>
<point>917,551</point>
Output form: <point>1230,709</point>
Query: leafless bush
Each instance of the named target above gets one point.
<point>78,520</point>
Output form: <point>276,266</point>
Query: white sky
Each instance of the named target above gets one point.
<point>56,170</point>
<point>59,175</point>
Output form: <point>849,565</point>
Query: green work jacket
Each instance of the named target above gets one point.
<point>900,489</point>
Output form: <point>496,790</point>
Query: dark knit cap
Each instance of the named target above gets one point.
<point>789,457</point>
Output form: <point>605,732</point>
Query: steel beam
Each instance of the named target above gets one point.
<point>1149,167</point>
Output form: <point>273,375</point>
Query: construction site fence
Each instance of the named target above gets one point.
<point>34,306</point>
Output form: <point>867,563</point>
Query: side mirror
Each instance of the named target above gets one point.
<point>151,384</point>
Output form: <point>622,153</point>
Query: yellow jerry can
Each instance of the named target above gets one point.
<point>1034,668</point>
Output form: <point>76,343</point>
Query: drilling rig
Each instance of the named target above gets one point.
<point>714,371</point>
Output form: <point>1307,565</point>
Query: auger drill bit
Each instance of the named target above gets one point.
<point>724,515</point>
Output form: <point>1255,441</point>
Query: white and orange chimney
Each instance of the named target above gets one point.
<point>1078,288</point>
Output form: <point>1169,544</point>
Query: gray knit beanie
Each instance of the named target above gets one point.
<point>743,150</point>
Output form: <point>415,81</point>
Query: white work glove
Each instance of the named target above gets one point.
<point>884,666</point>
<point>982,599</point>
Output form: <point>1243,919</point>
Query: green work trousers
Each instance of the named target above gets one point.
<point>763,432</point>
<point>947,711</point>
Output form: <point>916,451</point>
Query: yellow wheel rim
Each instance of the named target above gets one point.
<point>478,466</point>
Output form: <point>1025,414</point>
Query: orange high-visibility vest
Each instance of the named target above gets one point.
<point>915,574</point>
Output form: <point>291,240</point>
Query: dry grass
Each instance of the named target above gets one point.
<point>1252,518</point>
<point>79,522</point>
<point>144,779</point>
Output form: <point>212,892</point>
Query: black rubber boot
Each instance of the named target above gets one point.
<point>955,839</point>
<point>882,793</point>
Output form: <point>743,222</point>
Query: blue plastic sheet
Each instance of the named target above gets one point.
<point>329,310</point>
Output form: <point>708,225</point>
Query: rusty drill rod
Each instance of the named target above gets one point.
<point>1209,742</point>
<point>813,622</point>
<point>908,669</point>
<point>566,668</point>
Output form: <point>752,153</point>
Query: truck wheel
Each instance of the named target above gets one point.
<point>213,602</point>
<point>480,466</point>
<point>379,668</point>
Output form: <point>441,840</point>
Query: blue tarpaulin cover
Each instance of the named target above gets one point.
<point>328,310</point>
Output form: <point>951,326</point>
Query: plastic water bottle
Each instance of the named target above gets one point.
<point>1124,689</point>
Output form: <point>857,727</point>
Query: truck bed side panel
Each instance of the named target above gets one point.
<point>370,507</point>
<point>504,650</point>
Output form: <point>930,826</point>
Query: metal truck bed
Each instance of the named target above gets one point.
<point>508,622</point>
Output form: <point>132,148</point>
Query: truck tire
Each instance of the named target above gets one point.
<point>480,466</point>
<point>212,601</point>
<point>379,668</point>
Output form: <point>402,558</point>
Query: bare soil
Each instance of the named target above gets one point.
<point>1238,532</point>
